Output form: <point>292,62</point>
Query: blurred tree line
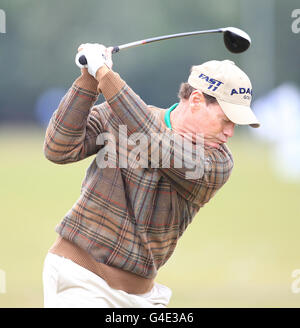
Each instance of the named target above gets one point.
<point>37,52</point>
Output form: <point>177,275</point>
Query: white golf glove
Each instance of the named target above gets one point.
<point>95,55</point>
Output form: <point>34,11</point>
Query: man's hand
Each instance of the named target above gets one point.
<point>96,55</point>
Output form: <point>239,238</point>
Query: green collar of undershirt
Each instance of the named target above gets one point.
<point>167,116</point>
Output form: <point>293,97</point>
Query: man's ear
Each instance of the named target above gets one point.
<point>196,100</point>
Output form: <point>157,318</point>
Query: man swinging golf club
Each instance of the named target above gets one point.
<point>127,221</point>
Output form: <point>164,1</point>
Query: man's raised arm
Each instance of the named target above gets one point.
<point>75,125</point>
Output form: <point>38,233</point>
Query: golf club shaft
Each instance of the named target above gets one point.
<point>83,60</point>
<point>163,37</point>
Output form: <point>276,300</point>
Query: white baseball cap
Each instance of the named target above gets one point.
<point>229,85</point>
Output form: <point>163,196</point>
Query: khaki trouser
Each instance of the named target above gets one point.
<point>68,285</point>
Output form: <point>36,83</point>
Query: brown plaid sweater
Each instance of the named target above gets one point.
<point>127,219</point>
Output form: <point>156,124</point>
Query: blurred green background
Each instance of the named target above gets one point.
<point>242,247</point>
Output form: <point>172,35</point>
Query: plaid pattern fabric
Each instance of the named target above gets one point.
<point>130,218</point>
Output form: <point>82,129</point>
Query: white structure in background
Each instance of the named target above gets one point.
<point>2,282</point>
<point>279,114</point>
<point>2,21</point>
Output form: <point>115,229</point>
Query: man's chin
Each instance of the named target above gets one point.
<point>212,145</point>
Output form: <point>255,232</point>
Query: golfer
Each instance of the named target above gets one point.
<point>127,220</point>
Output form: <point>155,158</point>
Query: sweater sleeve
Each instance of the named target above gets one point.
<point>204,171</point>
<point>74,126</point>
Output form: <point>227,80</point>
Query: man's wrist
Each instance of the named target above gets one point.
<point>87,82</point>
<point>104,69</point>
<point>110,83</point>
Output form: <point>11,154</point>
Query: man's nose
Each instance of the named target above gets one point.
<point>229,130</point>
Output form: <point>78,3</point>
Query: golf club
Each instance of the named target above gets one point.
<point>235,40</point>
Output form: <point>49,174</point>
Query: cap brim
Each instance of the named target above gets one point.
<point>239,114</point>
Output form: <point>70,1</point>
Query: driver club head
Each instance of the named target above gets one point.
<point>236,40</point>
